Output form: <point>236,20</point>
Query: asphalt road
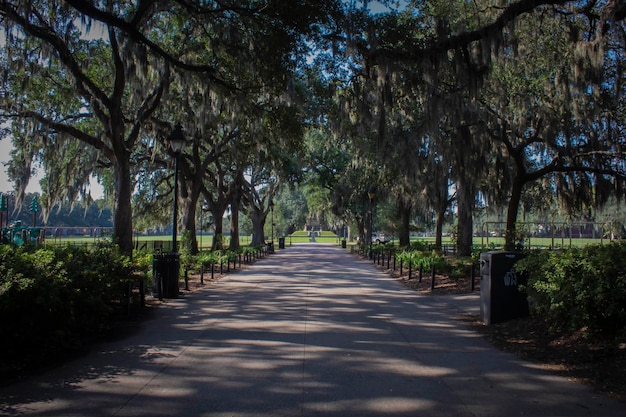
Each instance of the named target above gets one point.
<point>309,331</point>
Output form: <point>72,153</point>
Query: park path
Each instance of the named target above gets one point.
<point>309,331</point>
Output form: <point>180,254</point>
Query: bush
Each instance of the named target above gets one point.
<point>424,259</point>
<point>56,299</point>
<point>579,288</point>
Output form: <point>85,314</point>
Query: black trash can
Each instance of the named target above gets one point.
<point>500,297</point>
<point>270,247</point>
<point>343,243</point>
<point>165,275</point>
<point>281,243</point>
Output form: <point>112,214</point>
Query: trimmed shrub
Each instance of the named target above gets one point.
<point>579,288</point>
<point>57,299</point>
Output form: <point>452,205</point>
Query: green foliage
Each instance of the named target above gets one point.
<point>579,288</point>
<point>207,258</point>
<point>59,298</point>
<point>418,245</point>
<point>424,259</point>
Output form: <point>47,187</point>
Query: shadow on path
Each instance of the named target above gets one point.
<point>308,331</point>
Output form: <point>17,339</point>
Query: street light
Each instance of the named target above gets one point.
<point>372,195</point>
<point>272,210</point>
<point>177,142</point>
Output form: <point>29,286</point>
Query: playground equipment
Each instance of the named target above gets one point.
<point>18,234</point>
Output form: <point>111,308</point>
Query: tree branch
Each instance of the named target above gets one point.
<point>438,46</point>
<point>130,28</point>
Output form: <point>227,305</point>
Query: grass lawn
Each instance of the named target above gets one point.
<point>205,241</point>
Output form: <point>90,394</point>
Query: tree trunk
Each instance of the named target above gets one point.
<point>258,224</point>
<point>190,207</point>
<point>440,217</point>
<point>405,221</point>
<point>511,215</point>
<point>218,237</point>
<point>189,238</point>
<point>234,226</point>
<point>465,225</point>
<point>123,217</point>
<point>361,226</point>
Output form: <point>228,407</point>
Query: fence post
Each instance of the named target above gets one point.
<point>421,272</point>
<point>212,269</point>
<point>202,274</point>
<point>410,268</point>
<point>472,276</point>
<point>142,292</point>
<point>186,279</point>
<point>432,280</point>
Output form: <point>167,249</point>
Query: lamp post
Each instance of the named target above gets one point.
<point>272,220</point>
<point>177,141</point>
<point>372,195</point>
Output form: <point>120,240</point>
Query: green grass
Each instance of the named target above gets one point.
<point>301,236</point>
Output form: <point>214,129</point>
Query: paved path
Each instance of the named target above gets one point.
<point>310,331</point>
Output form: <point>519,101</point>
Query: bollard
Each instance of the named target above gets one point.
<point>212,269</point>
<point>421,272</point>
<point>186,279</point>
<point>400,267</point>
<point>410,268</point>
<point>202,274</point>
<point>394,262</point>
<point>142,292</point>
<point>432,281</point>
<point>472,277</point>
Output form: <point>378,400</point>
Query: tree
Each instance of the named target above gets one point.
<point>102,103</point>
<point>553,117</point>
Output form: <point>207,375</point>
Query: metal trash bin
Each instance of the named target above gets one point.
<point>500,297</point>
<point>281,243</point>
<point>165,275</point>
<point>343,243</point>
<point>270,247</point>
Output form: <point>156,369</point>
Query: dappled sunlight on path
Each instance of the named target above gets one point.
<point>308,331</point>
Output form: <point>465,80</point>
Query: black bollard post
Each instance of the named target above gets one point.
<point>472,277</point>
<point>142,292</point>
<point>394,262</point>
<point>421,272</point>
<point>186,279</point>
<point>432,281</point>
<point>202,274</point>
<point>410,268</point>
<point>400,267</point>
<point>212,270</point>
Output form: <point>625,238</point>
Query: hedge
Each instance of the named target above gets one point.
<point>579,288</point>
<point>54,300</point>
